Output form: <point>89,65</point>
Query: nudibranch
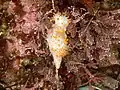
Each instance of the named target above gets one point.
<point>57,39</point>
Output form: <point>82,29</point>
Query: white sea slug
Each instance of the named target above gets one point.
<point>57,39</point>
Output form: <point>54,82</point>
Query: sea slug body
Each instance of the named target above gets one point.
<point>57,39</point>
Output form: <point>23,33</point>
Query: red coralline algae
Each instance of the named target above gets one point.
<point>26,24</point>
<point>28,20</point>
